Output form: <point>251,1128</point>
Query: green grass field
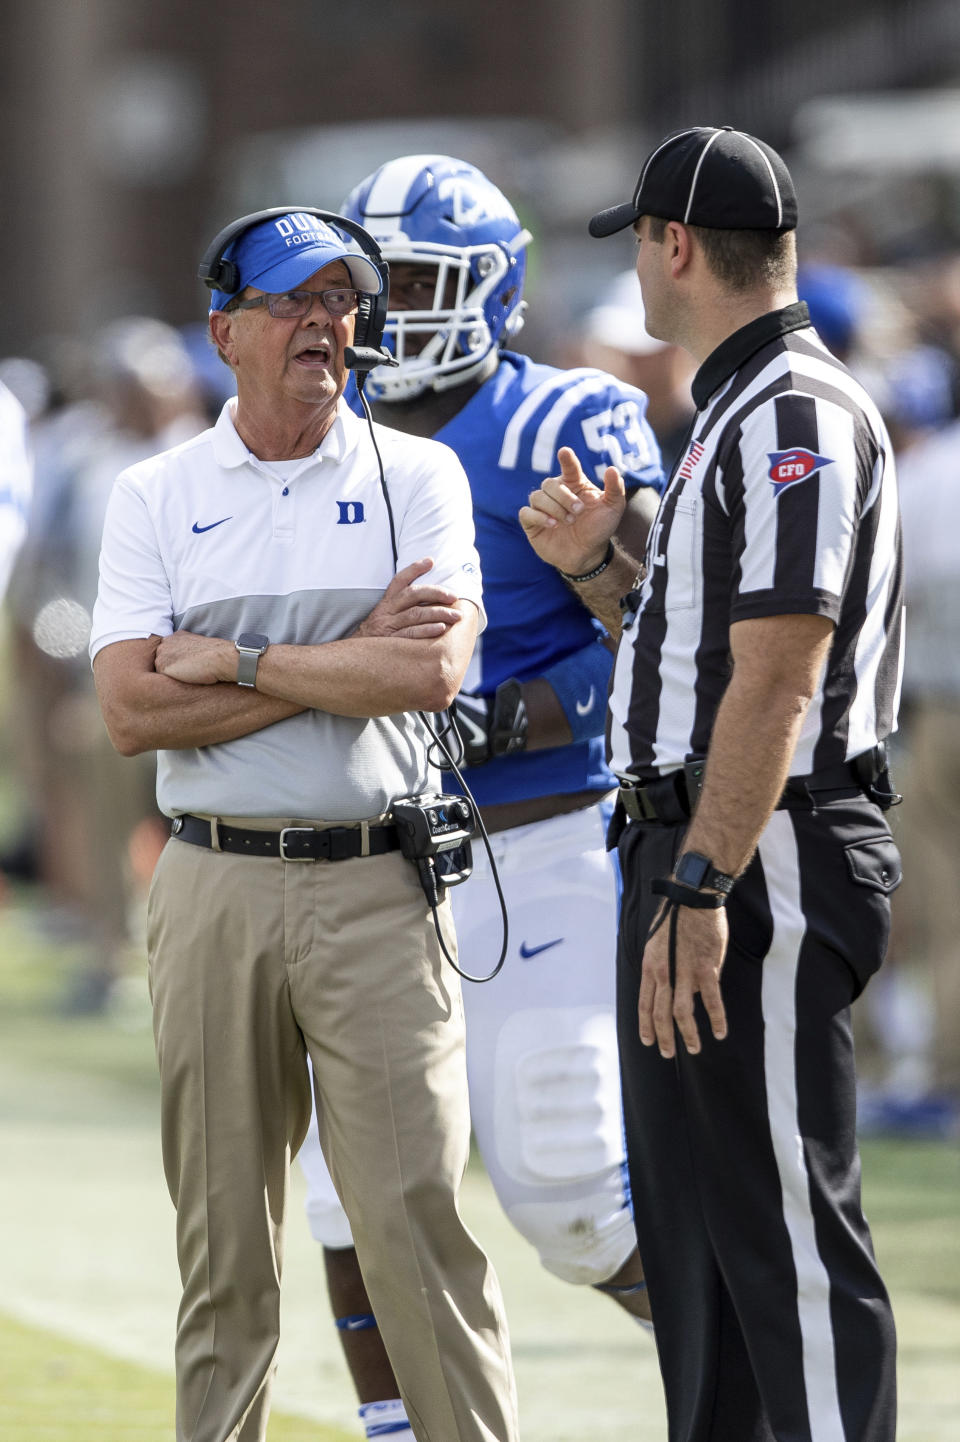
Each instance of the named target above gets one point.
<point>88,1282</point>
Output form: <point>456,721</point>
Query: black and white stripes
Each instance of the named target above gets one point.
<point>784,502</point>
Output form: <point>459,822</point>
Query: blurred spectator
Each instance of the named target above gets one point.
<point>94,819</point>
<point>929,825</point>
<point>215,382</point>
<point>16,481</point>
<point>919,389</point>
<point>910,1027</point>
<point>615,339</point>
<point>837,299</point>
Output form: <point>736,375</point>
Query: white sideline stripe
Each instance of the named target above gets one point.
<point>510,449</point>
<point>781,869</point>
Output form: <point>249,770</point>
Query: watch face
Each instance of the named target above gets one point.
<point>692,868</point>
<point>253,641</point>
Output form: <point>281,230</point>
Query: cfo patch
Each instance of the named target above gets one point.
<point>789,468</point>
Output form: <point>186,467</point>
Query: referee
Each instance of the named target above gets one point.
<point>755,683</point>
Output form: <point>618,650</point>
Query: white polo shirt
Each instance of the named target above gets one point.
<point>207,538</point>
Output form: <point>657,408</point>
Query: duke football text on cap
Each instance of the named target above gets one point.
<point>720,178</point>
<point>281,253</point>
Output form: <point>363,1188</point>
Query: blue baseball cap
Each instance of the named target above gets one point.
<point>281,253</point>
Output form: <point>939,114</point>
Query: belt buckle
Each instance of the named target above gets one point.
<point>310,830</point>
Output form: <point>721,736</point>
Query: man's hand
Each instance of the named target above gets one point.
<point>198,660</point>
<point>569,521</point>
<point>418,613</point>
<point>700,950</point>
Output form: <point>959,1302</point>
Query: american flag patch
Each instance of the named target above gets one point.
<point>689,461</point>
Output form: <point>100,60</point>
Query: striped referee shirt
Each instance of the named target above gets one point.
<point>783,502</point>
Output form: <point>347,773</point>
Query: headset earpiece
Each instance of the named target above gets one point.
<point>218,273</point>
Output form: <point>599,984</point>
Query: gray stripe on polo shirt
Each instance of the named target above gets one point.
<point>313,766</point>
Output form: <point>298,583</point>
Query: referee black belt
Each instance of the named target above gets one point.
<point>667,799</point>
<point>293,843</point>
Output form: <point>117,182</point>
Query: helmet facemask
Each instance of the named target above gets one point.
<point>458,329</point>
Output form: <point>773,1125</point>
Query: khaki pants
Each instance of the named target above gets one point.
<point>927,828</point>
<point>254,961</point>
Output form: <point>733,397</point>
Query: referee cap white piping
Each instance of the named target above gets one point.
<point>773,179</point>
<point>670,140</point>
<point>696,175</point>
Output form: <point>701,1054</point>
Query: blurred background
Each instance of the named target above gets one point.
<point>134,129</point>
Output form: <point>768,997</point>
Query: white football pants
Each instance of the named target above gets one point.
<point>541,1048</point>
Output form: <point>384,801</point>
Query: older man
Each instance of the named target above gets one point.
<point>257,627</point>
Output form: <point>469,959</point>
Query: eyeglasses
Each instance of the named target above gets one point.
<point>293,304</point>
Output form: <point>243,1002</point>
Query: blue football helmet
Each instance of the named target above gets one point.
<point>434,210</point>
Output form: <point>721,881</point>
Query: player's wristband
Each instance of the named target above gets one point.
<point>597,570</point>
<point>491,726</point>
<point>580,683</point>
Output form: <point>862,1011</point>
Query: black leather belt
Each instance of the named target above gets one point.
<point>667,798</point>
<point>293,843</point>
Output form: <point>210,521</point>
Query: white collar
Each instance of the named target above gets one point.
<point>231,451</point>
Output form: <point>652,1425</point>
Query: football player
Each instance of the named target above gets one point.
<point>542,1053</point>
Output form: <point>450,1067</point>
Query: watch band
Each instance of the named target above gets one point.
<point>250,647</point>
<point>682,895</point>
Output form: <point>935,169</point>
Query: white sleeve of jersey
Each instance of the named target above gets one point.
<point>437,520</point>
<point>133,599</point>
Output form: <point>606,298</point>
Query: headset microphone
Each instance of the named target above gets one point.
<point>364,358</point>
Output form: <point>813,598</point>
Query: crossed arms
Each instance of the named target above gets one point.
<point>178,692</point>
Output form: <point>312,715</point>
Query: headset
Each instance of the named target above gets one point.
<point>367,351</point>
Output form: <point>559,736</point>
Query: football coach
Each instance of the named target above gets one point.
<point>257,625</point>
<point>755,683</point>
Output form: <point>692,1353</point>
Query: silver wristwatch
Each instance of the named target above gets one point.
<point>250,647</point>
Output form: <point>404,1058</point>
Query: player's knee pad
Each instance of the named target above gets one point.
<point>557,1134</point>
<point>325,1216</point>
<point>582,1239</point>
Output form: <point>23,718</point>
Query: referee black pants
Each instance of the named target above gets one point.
<point>772,1321</point>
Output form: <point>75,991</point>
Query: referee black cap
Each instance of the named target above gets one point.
<point>716,177</point>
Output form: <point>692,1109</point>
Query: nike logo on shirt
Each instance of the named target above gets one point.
<point>198,530</point>
<point>527,951</point>
<point>585,707</point>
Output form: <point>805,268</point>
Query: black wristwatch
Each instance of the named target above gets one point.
<point>699,872</point>
<point>250,647</point>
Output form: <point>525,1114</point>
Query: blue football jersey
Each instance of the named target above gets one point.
<point>507,437</point>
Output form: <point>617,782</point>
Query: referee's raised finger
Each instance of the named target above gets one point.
<point>571,471</point>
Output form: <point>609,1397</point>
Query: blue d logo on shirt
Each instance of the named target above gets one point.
<point>351,513</point>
